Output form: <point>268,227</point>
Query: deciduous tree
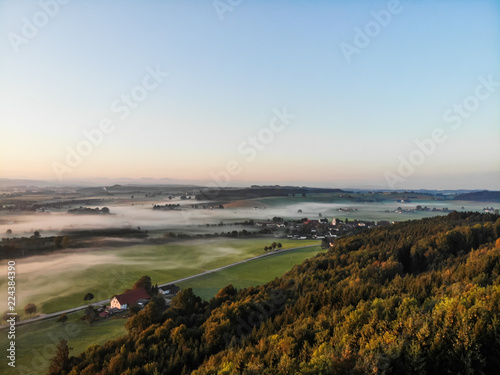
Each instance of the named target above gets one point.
<point>145,283</point>
<point>30,309</point>
<point>60,363</point>
<point>88,297</point>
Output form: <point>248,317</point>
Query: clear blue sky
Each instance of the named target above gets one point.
<point>229,70</point>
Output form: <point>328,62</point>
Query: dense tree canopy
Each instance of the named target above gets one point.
<point>419,297</point>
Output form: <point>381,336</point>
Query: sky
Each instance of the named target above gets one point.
<point>390,94</point>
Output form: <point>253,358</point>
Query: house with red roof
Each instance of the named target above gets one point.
<point>127,299</point>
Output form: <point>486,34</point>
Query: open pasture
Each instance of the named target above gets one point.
<point>60,280</point>
<point>253,273</point>
<point>36,341</point>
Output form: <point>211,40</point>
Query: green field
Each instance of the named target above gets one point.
<point>59,281</point>
<point>35,342</point>
<point>253,273</point>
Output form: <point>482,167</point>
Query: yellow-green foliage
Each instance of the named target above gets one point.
<point>421,297</point>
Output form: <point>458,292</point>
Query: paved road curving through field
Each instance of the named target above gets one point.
<point>79,308</point>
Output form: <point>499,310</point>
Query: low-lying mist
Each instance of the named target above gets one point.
<point>142,215</point>
<point>63,278</point>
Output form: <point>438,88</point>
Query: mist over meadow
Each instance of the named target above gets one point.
<point>142,215</point>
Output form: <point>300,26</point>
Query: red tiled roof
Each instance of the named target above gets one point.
<point>131,297</point>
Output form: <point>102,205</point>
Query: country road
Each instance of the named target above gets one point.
<point>79,308</point>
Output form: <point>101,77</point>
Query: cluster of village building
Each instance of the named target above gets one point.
<point>319,229</point>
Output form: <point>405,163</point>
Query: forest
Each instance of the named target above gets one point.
<point>418,297</point>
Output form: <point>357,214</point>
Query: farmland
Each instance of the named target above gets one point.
<point>39,339</point>
<point>248,274</point>
<point>105,272</point>
<point>166,245</point>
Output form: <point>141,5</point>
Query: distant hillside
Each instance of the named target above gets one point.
<point>7,182</point>
<point>480,196</point>
<point>97,182</point>
<point>419,297</point>
<point>138,189</point>
<point>232,194</point>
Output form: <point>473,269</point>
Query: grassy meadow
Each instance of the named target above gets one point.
<point>36,342</point>
<point>252,273</point>
<point>59,281</point>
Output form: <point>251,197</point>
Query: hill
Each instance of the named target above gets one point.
<point>480,196</point>
<point>419,297</point>
<point>255,191</point>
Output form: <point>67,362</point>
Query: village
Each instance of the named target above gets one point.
<point>319,229</point>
